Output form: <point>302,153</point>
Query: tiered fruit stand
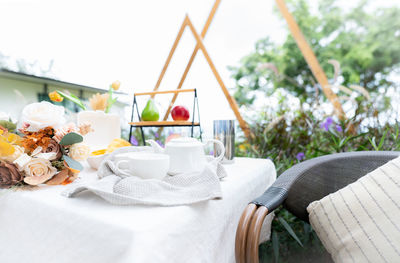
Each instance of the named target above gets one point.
<point>141,124</point>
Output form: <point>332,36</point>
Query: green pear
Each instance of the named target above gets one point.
<point>150,112</point>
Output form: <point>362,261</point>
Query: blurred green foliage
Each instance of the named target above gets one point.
<point>365,44</point>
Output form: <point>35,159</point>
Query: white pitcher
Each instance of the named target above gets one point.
<point>186,154</point>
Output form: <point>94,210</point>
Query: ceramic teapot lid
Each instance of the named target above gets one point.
<point>184,142</point>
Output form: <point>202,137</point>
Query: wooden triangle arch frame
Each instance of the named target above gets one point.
<point>200,45</point>
<point>304,47</point>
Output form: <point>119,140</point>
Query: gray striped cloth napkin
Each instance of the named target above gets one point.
<point>181,189</point>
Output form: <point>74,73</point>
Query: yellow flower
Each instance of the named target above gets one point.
<point>98,101</point>
<point>18,151</point>
<point>14,139</point>
<point>6,148</point>
<point>10,145</point>
<point>115,85</point>
<point>55,96</point>
<point>242,147</point>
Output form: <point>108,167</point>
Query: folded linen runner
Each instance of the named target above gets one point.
<point>181,189</point>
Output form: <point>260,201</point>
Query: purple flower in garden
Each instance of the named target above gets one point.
<point>327,123</point>
<point>160,143</point>
<point>339,128</point>
<point>211,152</point>
<point>300,156</point>
<point>134,141</point>
<point>156,135</point>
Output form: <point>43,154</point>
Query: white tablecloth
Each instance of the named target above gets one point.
<point>43,226</point>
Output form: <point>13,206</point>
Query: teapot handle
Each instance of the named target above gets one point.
<point>221,146</point>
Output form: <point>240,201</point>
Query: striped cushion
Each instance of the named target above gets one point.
<point>361,222</point>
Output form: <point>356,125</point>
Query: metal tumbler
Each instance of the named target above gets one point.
<point>224,130</point>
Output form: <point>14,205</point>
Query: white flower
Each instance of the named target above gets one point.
<point>39,115</point>
<point>4,116</point>
<point>17,153</point>
<point>38,171</point>
<point>79,151</point>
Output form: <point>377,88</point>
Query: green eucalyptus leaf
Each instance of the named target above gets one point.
<point>72,163</point>
<point>71,138</point>
<point>290,230</point>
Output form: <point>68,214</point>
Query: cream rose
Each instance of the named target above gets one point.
<point>17,153</point>
<point>38,171</point>
<point>79,151</point>
<point>39,115</point>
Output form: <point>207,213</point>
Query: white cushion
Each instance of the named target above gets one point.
<point>361,222</point>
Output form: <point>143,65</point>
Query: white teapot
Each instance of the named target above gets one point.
<point>186,154</point>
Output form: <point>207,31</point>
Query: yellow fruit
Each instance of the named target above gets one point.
<point>98,152</point>
<point>55,96</point>
<point>117,143</point>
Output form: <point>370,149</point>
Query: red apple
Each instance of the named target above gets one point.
<point>180,113</point>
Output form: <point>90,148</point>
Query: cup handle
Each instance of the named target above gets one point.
<point>122,171</point>
<point>221,146</point>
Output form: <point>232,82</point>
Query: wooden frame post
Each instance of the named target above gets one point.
<point>311,60</point>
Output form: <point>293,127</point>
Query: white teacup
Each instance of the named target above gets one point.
<point>142,164</point>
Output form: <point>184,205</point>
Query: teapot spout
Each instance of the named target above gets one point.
<point>156,147</point>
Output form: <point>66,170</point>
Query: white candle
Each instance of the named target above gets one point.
<point>106,128</point>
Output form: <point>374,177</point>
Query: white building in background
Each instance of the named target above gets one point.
<point>19,89</point>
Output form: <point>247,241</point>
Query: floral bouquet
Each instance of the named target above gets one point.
<point>46,151</point>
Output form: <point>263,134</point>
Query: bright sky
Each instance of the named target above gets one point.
<point>97,42</point>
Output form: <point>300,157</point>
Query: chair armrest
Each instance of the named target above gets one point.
<point>300,185</point>
<point>250,223</point>
<point>272,198</point>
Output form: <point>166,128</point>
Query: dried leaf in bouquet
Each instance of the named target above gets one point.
<point>98,101</point>
<point>42,138</point>
<point>60,177</point>
<point>85,128</point>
